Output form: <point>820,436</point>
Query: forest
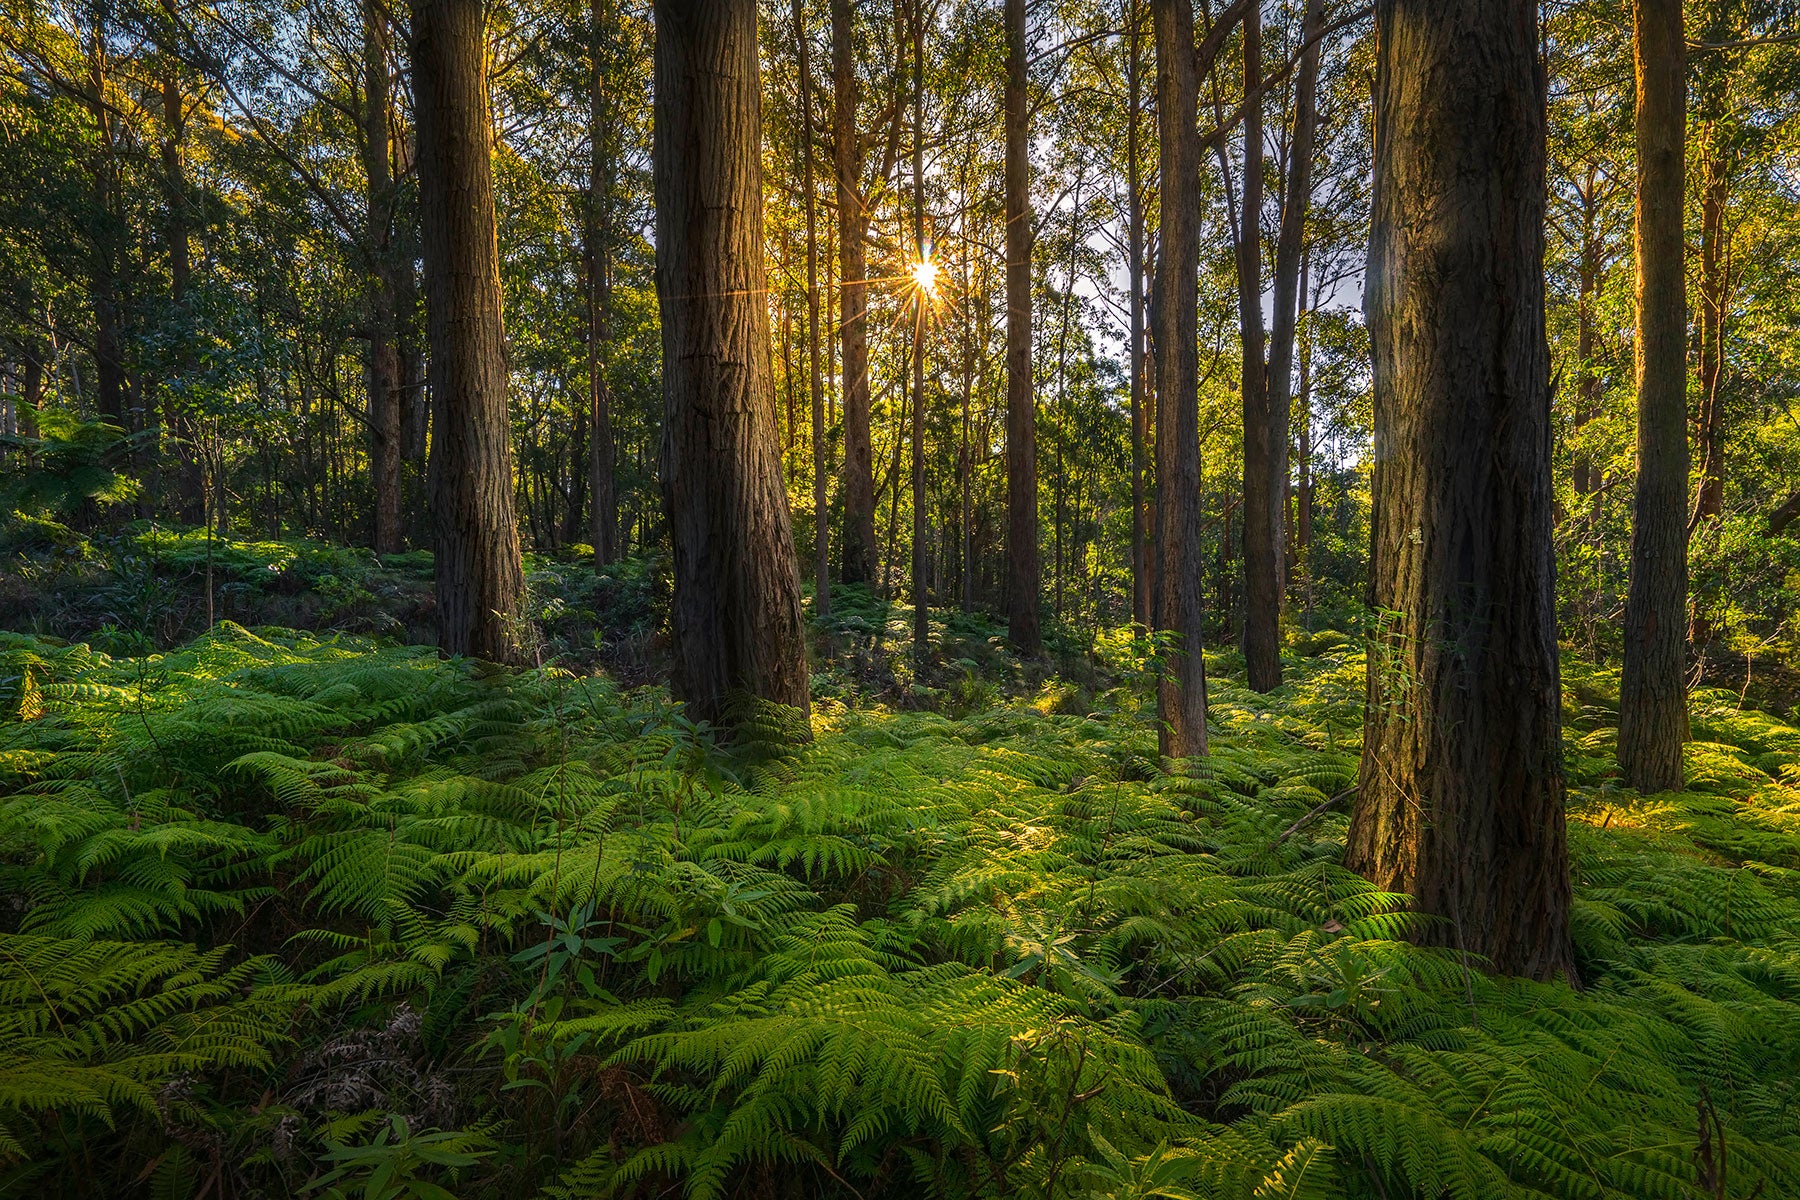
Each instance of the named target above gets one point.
<point>1185,599</point>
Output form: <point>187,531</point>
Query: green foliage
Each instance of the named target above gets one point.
<point>355,919</point>
<point>70,463</point>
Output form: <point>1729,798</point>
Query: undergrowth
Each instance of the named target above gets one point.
<point>297,917</point>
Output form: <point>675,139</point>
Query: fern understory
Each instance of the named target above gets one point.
<point>298,917</point>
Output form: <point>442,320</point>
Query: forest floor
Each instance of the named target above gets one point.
<point>288,913</point>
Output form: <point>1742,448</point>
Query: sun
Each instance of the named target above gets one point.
<point>924,276</point>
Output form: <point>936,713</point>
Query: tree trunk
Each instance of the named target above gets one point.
<point>1180,611</point>
<point>1023,572</point>
<point>853,225</point>
<point>1262,503</point>
<point>1141,582</point>
<point>736,611</point>
<point>821,510</point>
<point>190,502</point>
<point>476,536</point>
<point>1461,794</point>
<point>921,314</point>
<point>383,367</point>
<point>1715,299</point>
<point>603,511</point>
<point>109,367</point>
<point>1653,719</point>
<point>1289,279</point>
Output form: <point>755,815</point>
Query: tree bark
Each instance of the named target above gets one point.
<point>1141,582</point>
<point>383,365</point>
<point>1653,718</point>
<point>1461,794</point>
<point>736,613</point>
<point>921,632</point>
<point>1023,570</point>
<point>821,509</point>
<point>475,532</point>
<point>189,483</point>
<point>1262,494</point>
<point>858,564</point>
<point>1296,199</point>
<point>109,366</point>
<point>1715,300</point>
<point>603,510</point>
<point>1180,609</point>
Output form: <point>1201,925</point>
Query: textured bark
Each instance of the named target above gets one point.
<point>1180,610</point>
<point>603,511</point>
<point>1023,573</point>
<point>1262,487</point>
<point>382,369</point>
<point>475,534</point>
<point>1141,583</point>
<point>1653,718</point>
<point>821,510</point>
<point>853,226</point>
<point>736,611</point>
<point>1461,793</point>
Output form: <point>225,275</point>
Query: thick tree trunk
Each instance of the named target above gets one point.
<point>821,509</point>
<point>383,366</point>
<point>1023,573</point>
<point>603,510</point>
<point>1180,610</point>
<point>853,225</point>
<point>1141,582</point>
<point>736,612</point>
<point>1461,794</point>
<point>1262,487</point>
<point>475,533</point>
<point>1653,719</point>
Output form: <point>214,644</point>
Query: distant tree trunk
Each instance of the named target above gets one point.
<point>603,519</point>
<point>1023,572</point>
<point>109,367</point>
<point>821,509</point>
<point>1141,582</point>
<point>1303,493</point>
<point>921,614</point>
<point>1461,794</point>
<point>736,614</point>
<point>1653,719</point>
<point>1715,300</point>
<point>1290,287</point>
<point>31,391</point>
<point>190,502</point>
<point>1587,287</point>
<point>383,366</point>
<point>853,224</point>
<point>1262,507</point>
<point>1180,610</point>
<point>476,535</point>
